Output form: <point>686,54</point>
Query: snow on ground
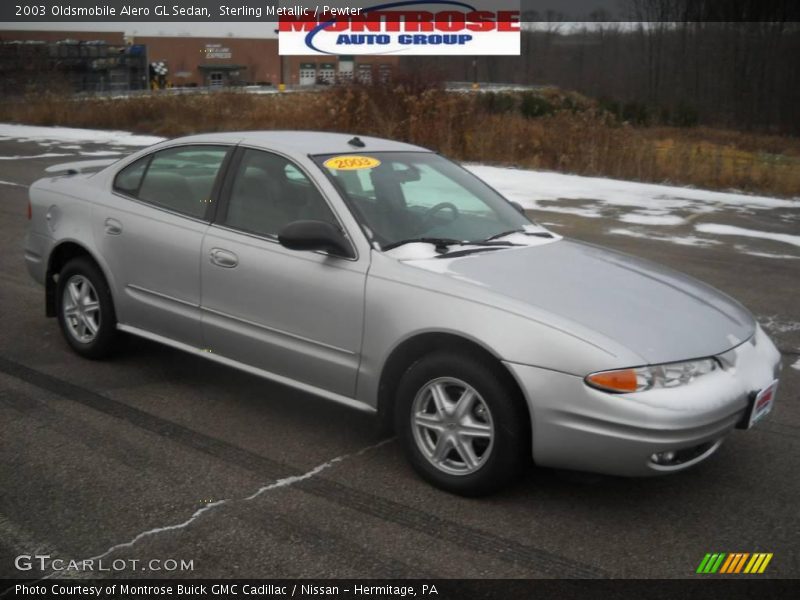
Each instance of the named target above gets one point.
<point>45,155</point>
<point>30,133</point>
<point>745,250</point>
<point>786,238</point>
<point>681,240</point>
<point>531,187</point>
<point>653,209</point>
<point>776,324</point>
<point>587,212</point>
<point>649,219</point>
<point>100,153</point>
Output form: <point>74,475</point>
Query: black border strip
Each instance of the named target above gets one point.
<point>531,10</point>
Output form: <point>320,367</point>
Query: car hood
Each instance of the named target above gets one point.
<point>660,314</point>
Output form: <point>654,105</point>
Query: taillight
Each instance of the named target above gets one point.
<point>30,211</point>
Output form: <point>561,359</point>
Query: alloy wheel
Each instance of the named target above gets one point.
<point>452,426</point>
<point>81,309</point>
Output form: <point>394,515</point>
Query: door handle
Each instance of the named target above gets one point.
<point>223,258</point>
<point>113,227</point>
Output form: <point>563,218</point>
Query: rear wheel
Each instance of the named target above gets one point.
<point>85,309</point>
<point>462,426</point>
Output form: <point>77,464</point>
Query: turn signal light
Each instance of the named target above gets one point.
<point>624,380</point>
<point>640,379</point>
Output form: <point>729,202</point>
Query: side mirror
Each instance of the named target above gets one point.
<point>518,206</point>
<point>315,235</point>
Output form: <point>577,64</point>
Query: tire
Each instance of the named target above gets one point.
<point>462,426</point>
<point>85,309</point>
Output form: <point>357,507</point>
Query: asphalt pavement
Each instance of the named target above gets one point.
<point>159,455</point>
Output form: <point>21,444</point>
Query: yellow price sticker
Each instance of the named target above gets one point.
<point>351,163</point>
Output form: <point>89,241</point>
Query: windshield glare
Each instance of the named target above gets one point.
<point>400,196</point>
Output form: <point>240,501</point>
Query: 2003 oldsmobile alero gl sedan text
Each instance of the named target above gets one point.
<point>382,276</point>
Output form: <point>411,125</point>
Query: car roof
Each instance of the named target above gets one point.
<point>303,142</point>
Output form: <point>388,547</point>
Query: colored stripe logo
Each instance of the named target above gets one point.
<point>734,563</point>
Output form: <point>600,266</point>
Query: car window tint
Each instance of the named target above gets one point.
<point>128,180</point>
<point>269,192</point>
<point>432,188</point>
<point>407,195</point>
<point>181,179</point>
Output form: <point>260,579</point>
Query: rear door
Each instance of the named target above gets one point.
<point>294,314</point>
<point>150,231</point>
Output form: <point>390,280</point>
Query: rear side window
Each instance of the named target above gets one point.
<point>178,179</point>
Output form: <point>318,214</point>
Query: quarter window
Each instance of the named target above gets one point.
<point>179,179</point>
<point>269,192</point>
<point>130,178</point>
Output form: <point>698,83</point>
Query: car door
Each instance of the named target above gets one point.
<point>150,231</point>
<point>296,315</point>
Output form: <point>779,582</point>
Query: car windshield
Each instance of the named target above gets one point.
<point>419,196</point>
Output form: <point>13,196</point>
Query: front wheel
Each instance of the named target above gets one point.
<point>462,426</point>
<point>85,309</point>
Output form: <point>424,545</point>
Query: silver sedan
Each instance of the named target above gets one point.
<point>384,277</point>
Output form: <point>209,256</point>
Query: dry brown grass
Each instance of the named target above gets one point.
<point>554,131</point>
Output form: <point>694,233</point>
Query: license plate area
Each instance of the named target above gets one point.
<point>760,404</point>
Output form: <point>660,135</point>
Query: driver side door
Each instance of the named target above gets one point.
<point>293,315</point>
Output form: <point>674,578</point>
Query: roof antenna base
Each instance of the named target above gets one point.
<point>356,142</point>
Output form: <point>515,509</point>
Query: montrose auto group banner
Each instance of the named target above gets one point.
<point>409,27</point>
<point>351,27</point>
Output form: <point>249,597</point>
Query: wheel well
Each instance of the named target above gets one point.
<point>413,349</point>
<point>59,257</point>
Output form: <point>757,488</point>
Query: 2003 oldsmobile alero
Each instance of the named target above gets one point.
<point>382,276</point>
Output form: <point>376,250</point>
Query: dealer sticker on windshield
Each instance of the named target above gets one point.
<point>762,403</point>
<point>350,162</point>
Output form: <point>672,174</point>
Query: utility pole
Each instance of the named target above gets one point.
<point>281,83</point>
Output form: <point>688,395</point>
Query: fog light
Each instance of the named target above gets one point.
<point>663,458</point>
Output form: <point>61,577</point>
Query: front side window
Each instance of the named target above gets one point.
<point>179,179</point>
<point>409,195</point>
<point>270,192</point>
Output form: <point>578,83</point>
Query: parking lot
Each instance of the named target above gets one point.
<point>158,455</point>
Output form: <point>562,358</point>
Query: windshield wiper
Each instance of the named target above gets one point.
<point>442,244</point>
<point>468,251</point>
<point>544,234</point>
<point>438,242</point>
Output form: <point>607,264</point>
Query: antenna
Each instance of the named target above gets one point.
<point>356,142</point>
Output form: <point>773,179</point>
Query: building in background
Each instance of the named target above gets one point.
<point>176,61</point>
<point>75,61</point>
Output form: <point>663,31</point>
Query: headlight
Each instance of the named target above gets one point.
<point>641,379</point>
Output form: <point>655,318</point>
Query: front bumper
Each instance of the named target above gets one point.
<point>580,428</point>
